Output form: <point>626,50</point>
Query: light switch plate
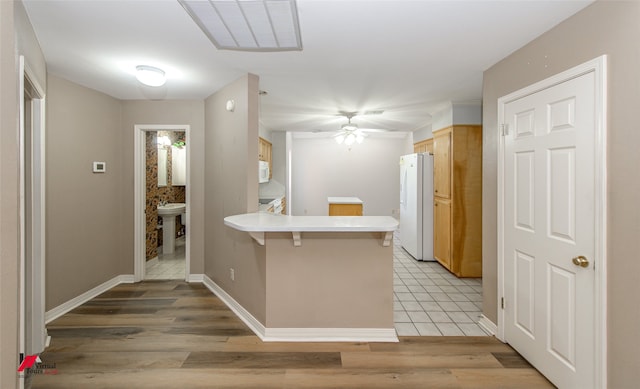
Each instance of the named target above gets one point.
<point>99,167</point>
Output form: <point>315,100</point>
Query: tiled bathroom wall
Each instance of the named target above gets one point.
<point>155,194</point>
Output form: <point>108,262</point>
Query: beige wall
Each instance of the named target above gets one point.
<point>90,216</point>
<point>231,187</point>
<point>321,169</point>
<point>84,219</point>
<point>16,38</point>
<point>189,112</point>
<point>321,284</point>
<point>28,45</point>
<point>606,27</point>
<point>8,199</point>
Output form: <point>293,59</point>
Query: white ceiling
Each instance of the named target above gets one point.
<point>406,57</point>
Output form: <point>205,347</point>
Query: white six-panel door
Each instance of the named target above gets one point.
<point>548,226</point>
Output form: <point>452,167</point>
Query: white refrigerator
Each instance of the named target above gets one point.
<point>416,205</point>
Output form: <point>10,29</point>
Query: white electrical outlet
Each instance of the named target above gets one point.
<point>232,274</point>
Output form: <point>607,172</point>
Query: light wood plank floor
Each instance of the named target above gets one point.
<point>171,334</point>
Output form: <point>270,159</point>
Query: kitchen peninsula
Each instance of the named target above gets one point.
<point>327,277</point>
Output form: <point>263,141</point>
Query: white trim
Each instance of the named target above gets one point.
<point>140,190</point>
<point>487,325</point>
<point>32,332</point>
<point>244,315</point>
<point>39,213</point>
<point>86,296</point>
<point>300,334</point>
<point>196,278</point>
<point>22,292</point>
<point>601,214</point>
<point>599,68</point>
<point>330,335</point>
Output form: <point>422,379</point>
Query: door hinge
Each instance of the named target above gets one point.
<point>502,302</point>
<point>505,129</point>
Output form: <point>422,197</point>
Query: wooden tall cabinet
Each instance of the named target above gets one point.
<point>457,183</point>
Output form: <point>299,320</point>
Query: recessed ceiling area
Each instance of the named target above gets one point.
<point>405,57</point>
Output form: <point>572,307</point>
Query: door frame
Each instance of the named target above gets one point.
<point>598,67</point>
<point>35,328</point>
<point>140,131</point>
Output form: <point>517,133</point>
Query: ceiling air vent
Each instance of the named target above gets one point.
<point>248,25</point>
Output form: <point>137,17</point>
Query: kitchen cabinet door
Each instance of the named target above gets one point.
<point>442,231</point>
<point>425,146</point>
<point>345,209</point>
<point>428,145</point>
<point>264,153</point>
<point>442,164</point>
<point>264,149</point>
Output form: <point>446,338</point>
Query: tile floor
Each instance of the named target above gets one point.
<point>430,301</point>
<point>167,267</point>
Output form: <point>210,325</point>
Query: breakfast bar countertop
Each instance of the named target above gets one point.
<point>264,222</point>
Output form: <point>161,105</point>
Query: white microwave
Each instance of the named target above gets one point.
<point>263,171</point>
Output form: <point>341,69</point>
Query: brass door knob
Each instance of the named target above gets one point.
<point>580,261</point>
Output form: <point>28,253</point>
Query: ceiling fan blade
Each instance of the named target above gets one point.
<point>375,130</point>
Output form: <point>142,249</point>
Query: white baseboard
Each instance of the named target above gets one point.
<point>330,335</point>
<point>238,309</point>
<point>75,302</point>
<point>487,325</point>
<point>196,278</point>
<point>301,334</point>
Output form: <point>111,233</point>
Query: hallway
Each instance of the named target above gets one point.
<point>171,334</point>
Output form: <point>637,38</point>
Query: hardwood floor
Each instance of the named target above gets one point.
<point>171,334</point>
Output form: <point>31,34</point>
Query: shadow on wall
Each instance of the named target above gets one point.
<point>159,184</point>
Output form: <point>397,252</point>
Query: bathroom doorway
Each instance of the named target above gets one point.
<point>162,243</point>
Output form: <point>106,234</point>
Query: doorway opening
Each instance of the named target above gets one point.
<point>33,333</point>
<point>162,191</point>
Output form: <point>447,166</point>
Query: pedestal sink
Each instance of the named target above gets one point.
<point>168,212</point>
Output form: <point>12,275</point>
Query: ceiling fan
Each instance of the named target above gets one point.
<point>350,133</point>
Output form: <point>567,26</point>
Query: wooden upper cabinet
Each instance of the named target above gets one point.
<point>425,146</point>
<point>264,153</point>
<point>442,164</point>
<point>264,149</point>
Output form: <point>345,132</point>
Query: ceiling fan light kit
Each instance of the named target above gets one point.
<point>349,132</point>
<point>349,127</point>
<point>349,138</point>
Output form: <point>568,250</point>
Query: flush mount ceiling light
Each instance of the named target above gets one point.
<point>248,25</point>
<point>150,75</point>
